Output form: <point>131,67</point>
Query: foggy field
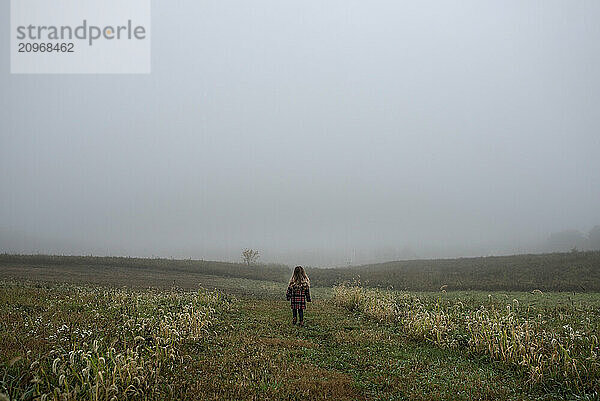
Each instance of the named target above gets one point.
<point>130,328</point>
<point>429,170</point>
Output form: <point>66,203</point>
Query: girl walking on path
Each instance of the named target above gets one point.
<point>298,293</point>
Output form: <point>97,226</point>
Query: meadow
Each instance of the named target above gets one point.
<point>551,338</point>
<point>105,329</point>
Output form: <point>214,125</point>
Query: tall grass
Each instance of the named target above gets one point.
<point>553,348</point>
<point>94,343</point>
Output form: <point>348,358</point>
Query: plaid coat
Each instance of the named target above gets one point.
<point>298,296</point>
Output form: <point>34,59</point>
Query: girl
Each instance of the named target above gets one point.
<point>298,293</point>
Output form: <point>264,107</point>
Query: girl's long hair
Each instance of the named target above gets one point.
<point>299,278</point>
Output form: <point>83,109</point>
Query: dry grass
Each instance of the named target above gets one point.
<point>94,343</point>
<point>564,352</point>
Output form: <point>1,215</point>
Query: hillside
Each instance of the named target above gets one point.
<point>578,271</point>
<point>138,272</point>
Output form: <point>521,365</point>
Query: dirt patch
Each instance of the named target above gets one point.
<point>315,383</point>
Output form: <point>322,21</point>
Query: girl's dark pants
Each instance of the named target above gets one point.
<point>299,312</point>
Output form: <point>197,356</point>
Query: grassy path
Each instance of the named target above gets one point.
<point>260,355</point>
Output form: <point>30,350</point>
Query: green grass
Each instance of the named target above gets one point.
<point>247,347</point>
<point>339,355</point>
<point>552,339</point>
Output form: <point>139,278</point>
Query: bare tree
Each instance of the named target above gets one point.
<point>250,256</point>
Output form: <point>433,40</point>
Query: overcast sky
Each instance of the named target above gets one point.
<point>311,130</point>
